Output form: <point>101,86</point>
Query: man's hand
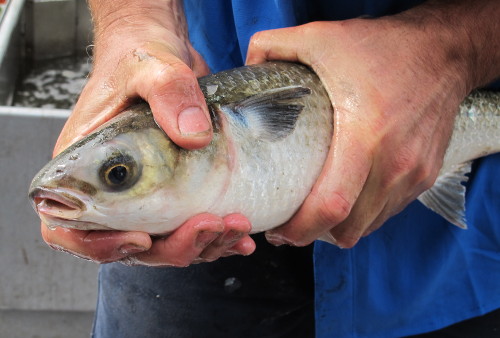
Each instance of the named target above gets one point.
<point>142,51</point>
<point>203,238</point>
<point>395,84</point>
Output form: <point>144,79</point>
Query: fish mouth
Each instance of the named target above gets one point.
<point>57,202</point>
<point>60,207</point>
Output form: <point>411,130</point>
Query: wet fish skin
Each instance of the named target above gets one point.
<point>272,131</point>
<point>476,134</point>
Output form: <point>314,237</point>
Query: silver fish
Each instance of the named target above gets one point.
<point>273,125</point>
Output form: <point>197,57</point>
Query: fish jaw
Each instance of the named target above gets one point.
<point>61,207</point>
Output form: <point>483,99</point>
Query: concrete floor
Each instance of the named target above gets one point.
<point>43,293</point>
<point>45,324</point>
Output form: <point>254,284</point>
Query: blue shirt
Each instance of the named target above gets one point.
<point>417,273</point>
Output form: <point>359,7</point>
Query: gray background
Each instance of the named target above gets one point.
<point>43,293</point>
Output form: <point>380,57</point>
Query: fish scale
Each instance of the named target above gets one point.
<point>477,129</point>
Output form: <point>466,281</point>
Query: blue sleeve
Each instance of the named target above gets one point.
<point>220,30</point>
<point>417,273</point>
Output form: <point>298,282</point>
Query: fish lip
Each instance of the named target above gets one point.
<point>72,204</point>
<point>53,222</point>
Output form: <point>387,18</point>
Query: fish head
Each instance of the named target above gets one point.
<point>121,177</point>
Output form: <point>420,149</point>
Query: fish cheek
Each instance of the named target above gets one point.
<point>157,163</point>
<point>201,176</point>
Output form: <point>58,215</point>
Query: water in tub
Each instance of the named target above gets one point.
<point>53,83</point>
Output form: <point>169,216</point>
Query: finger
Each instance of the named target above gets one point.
<point>235,228</point>
<point>274,44</point>
<point>245,246</point>
<point>184,245</point>
<point>367,210</point>
<point>97,246</point>
<point>332,198</point>
<point>397,177</point>
<point>408,192</point>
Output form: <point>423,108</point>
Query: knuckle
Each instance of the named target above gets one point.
<point>163,69</point>
<point>333,208</point>
<point>256,41</point>
<point>404,162</point>
<point>407,165</point>
<point>311,28</point>
<point>347,242</point>
<point>425,175</point>
<point>175,73</point>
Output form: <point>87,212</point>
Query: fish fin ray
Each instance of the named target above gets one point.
<point>447,196</point>
<point>272,114</point>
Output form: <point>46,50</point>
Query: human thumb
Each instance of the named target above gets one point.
<point>176,100</point>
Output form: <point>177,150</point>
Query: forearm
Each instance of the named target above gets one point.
<point>116,19</point>
<point>468,33</point>
<point>168,13</point>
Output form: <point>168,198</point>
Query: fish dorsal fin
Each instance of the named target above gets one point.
<point>447,195</point>
<point>270,115</point>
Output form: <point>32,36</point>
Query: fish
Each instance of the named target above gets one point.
<point>272,130</point>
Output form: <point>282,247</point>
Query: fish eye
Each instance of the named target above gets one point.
<point>119,172</point>
<point>116,175</point>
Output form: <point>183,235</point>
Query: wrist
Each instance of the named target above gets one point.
<point>467,46</point>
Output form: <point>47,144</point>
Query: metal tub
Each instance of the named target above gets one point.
<point>35,281</point>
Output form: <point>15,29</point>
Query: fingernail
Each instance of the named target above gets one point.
<point>192,121</point>
<point>128,249</point>
<point>232,237</point>
<point>328,237</point>
<point>205,238</point>
<point>275,239</point>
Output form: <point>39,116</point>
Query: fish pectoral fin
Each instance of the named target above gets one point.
<point>447,196</point>
<point>272,114</point>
